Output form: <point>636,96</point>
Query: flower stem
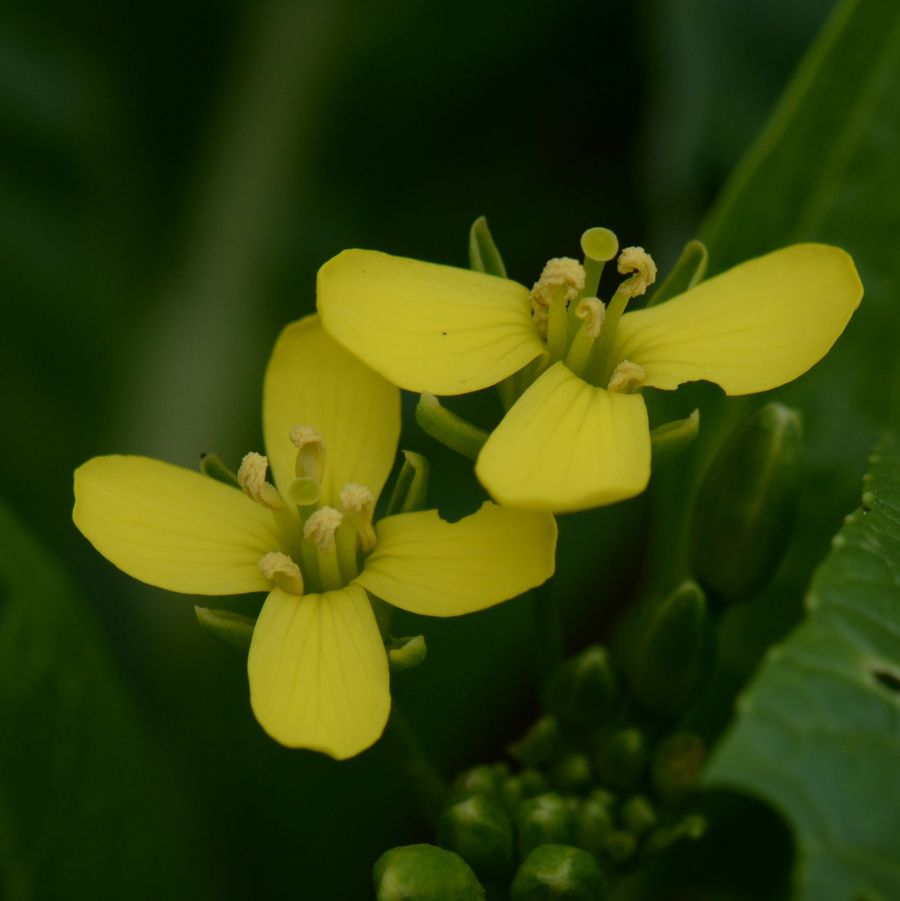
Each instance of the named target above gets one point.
<point>428,785</point>
<point>548,634</point>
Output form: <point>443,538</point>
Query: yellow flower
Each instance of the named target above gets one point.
<point>578,437</point>
<point>317,665</point>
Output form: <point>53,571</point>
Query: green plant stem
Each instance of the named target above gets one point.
<point>404,748</point>
<point>548,635</point>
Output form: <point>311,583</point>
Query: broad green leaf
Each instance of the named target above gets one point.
<point>85,809</point>
<point>818,730</point>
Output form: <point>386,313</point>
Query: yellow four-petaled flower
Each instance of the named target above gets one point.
<point>578,437</point>
<point>317,664</point>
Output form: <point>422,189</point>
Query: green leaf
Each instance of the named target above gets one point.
<point>84,806</point>
<point>818,730</point>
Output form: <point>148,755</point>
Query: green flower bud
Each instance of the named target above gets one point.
<point>621,758</point>
<point>691,827</point>
<point>746,505</point>
<point>424,873</point>
<point>677,762</point>
<point>582,692</point>
<point>556,871</point>
<point>618,846</point>
<point>638,815</point>
<point>230,627</point>
<point>603,796</point>
<point>542,819</point>
<point>480,832</point>
<point>515,789</point>
<point>406,652</point>
<point>593,822</point>
<point>572,773</point>
<point>671,650</point>
<point>477,780</point>
<point>539,744</point>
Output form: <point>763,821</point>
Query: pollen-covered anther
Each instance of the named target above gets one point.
<point>321,527</point>
<point>592,312</point>
<point>637,262</point>
<point>310,461</point>
<point>251,477</point>
<point>627,377</point>
<point>561,275</point>
<point>359,507</point>
<point>280,569</point>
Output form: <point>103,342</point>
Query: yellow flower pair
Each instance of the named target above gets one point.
<point>317,665</point>
<point>575,436</point>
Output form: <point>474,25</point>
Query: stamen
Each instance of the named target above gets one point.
<point>359,507</point>
<point>627,377</point>
<point>592,313</point>
<point>251,477</point>
<point>310,452</point>
<point>321,526</point>
<point>558,285</point>
<point>636,260</point>
<point>280,569</point>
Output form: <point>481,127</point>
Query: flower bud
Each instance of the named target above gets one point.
<point>671,650</point>
<point>593,822</point>
<point>746,505</point>
<point>515,789</point>
<point>571,773</point>
<point>677,762</point>
<point>539,744</point>
<point>480,832</point>
<point>542,819</point>
<point>425,873</point>
<point>477,780</point>
<point>618,846</point>
<point>638,815</point>
<point>621,759</point>
<point>582,691</point>
<point>559,871</point>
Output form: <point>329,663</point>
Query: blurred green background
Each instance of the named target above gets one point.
<point>172,176</point>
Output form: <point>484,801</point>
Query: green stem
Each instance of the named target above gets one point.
<point>548,634</point>
<point>428,785</point>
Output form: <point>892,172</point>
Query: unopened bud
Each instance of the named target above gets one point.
<point>671,649</point>
<point>425,873</point>
<point>542,819</point>
<point>571,773</point>
<point>622,758</point>
<point>638,815</point>
<point>477,780</point>
<point>746,505</point>
<point>559,871</point>
<point>583,690</point>
<point>618,846</point>
<point>479,830</point>
<point>677,763</point>
<point>594,822</point>
<point>514,789</point>
<point>539,744</point>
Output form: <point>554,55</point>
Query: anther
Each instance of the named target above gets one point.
<point>636,260</point>
<point>280,569</point>
<point>321,526</point>
<point>561,275</point>
<point>251,477</point>
<point>592,313</point>
<point>310,462</point>
<point>627,377</point>
<point>359,507</point>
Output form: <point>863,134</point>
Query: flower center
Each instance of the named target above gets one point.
<point>578,327</point>
<point>326,546</point>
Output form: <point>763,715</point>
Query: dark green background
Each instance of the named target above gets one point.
<point>171,177</point>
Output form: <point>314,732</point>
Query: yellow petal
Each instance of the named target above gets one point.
<point>753,328</point>
<point>318,671</point>
<point>566,445</point>
<point>426,565</point>
<point>427,327</point>
<point>311,380</point>
<point>173,528</point>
